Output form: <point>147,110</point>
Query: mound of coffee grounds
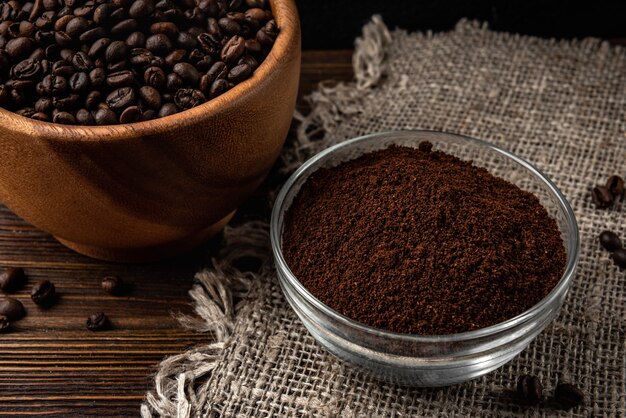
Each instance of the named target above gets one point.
<point>418,241</point>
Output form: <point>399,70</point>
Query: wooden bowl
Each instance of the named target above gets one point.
<point>148,190</point>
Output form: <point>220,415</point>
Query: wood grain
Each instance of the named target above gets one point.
<point>51,365</point>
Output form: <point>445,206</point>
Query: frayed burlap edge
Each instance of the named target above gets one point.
<point>180,383</point>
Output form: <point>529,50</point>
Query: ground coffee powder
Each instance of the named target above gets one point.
<point>418,241</point>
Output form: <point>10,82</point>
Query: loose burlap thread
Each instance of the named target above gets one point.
<point>559,104</point>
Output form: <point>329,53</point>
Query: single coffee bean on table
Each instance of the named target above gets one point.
<point>420,242</point>
<point>615,184</point>
<point>12,279</point>
<point>530,389</point>
<point>112,285</point>
<point>61,64</point>
<point>44,293</point>
<point>610,241</point>
<point>568,395</point>
<point>12,309</point>
<point>619,258</point>
<point>98,322</point>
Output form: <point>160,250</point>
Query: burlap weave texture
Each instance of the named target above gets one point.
<point>559,104</point>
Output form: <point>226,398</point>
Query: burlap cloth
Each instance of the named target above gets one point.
<point>559,104</point>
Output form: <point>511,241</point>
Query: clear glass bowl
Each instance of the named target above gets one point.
<point>424,360</point>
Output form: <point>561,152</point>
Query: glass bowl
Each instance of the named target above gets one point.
<point>427,360</point>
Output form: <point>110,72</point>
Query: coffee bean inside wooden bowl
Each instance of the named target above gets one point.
<point>115,49</point>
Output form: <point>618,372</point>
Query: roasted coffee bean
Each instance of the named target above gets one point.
<point>117,15</point>
<point>175,57</point>
<point>12,309</point>
<point>26,29</point>
<point>121,98</point>
<point>211,44</point>
<point>84,117</point>
<point>239,73</point>
<point>220,86</point>
<point>149,114</point>
<point>141,8</point>
<point>79,82</point>
<point>63,68</point>
<point>52,85</point>
<point>256,15</point>
<point>63,39</point>
<point>116,52</point>
<point>65,118</point>
<point>112,285</point>
<point>66,103</point>
<point>121,79</point>
<point>66,54</point>
<point>229,26</point>
<point>43,105</point>
<point>141,57</point>
<point>530,389</point>
<point>41,116</point>
<point>82,62</point>
<point>92,100</point>
<point>173,82</point>
<point>154,77</point>
<point>92,35</point>
<point>166,28</point>
<point>27,112</point>
<point>5,324</point>
<point>186,41</point>
<point>187,72</point>
<point>159,44</point>
<point>117,66</point>
<point>568,395</point>
<point>26,69</point>
<point>610,241</point>
<point>233,49</point>
<point>188,98</point>
<point>124,27</point>
<point>168,109</point>
<point>256,3</point>
<point>248,60</point>
<point>602,197</point>
<point>615,184</point>
<point>101,14</point>
<point>136,40</point>
<point>105,117</point>
<point>98,322</point>
<point>76,26</point>
<point>19,47</point>
<point>44,293</point>
<point>619,258</point>
<point>131,114</point>
<point>11,279</point>
<point>150,96</point>
<point>98,47</point>
<point>97,77</point>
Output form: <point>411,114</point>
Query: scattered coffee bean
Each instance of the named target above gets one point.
<point>602,197</point>
<point>615,184</point>
<point>610,241</point>
<point>619,258</point>
<point>98,322</point>
<point>12,279</point>
<point>530,389</point>
<point>5,324</point>
<point>12,309</point>
<point>112,285</point>
<point>60,59</point>
<point>568,396</point>
<point>44,293</point>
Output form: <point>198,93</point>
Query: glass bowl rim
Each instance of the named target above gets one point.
<point>573,252</point>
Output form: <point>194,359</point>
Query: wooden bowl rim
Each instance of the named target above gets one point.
<point>288,40</point>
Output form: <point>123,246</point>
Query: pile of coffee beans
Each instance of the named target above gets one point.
<point>101,62</point>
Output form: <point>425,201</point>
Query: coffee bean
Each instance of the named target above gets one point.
<point>117,15</point>
<point>610,241</point>
<point>219,87</point>
<point>105,117</point>
<point>79,82</point>
<point>131,114</point>
<point>229,26</point>
<point>141,57</point>
<point>11,279</point>
<point>187,72</point>
<point>43,105</point>
<point>98,322</point>
<point>233,49</point>
<point>141,8</point>
<point>19,47</point>
<point>173,82</point>
<point>44,293</point>
<point>188,98</point>
<point>76,26</point>
<point>12,309</point>
<point>255,14</point>
<point>64,118</point>
<point>239,73</point>
<point>136,40</point>
<point>166,28</point>
<point>63,68</point>
<point>52,85</point>
<point>117,66</point>
<point>116,51</point>
<point>568,395</point>
<point>97,76</point>
<point>186,41</point>
<point>112,285</point>
<point>101,14</point>
<point>82,62</point>
<point>175,57</point>
<point>92,100</point>
<point>256,3</point>
<point>84,117</point>
<point>159,44</point>
<point>5,324</point>
<point>150,96</point>
<point>41,116</point>
<point>619,258</point>
<point>149,114</point>
<point>121,98</point>
<point>530,389</point>
<point>26,69</point>
<point>615,184</point>
<point>602,197</point>
<point>121,79</point>
<point>66,103</point>
<point>154,77</point>
<point>168,109</point>
<point>248,60</point>
<point>124,27</point>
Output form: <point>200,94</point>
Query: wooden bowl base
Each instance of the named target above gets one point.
<point>147,254</point>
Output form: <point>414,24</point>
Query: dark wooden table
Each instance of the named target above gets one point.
<point>50,364</point>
